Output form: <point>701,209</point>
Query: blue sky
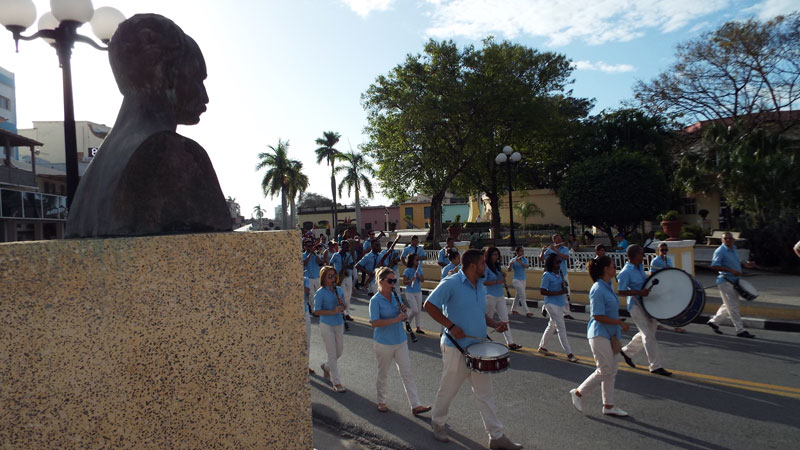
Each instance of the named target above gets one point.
<point>293,69</point>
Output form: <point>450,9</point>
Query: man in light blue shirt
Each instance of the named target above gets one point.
<point>453,266</point>
<point>558,247</point>
<point>390,258</point>
<point>443,258</point>
<point>343,261</point>
<point>368,264</point>
<point>415,249</point>
<point>459,305</point>
<point>622,243</point>
<point>726,262</point>
<point>311,265</point>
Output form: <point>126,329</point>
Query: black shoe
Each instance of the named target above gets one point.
<point>346,326</point>
<point>661,371</point>
<point>419,331</point>
<point>746,334</point>
<point>348,318</point>
<point>567,316</point>
<point>627,359</point>
<point>413,337</point>
<point>714,327</point>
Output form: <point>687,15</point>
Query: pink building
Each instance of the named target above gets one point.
<point>374,217</point>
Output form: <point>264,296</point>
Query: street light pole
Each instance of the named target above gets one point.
<point>507,157</point>
<point>510,206</point>
<point>60,29</point>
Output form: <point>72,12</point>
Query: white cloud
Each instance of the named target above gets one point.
<point>563,21</point>
<point>768,9</point>
<point>364,7</point>
<point>603,67</point>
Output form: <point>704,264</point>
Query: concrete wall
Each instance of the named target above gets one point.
<point>546,199</point>
<point>154,342</point>
<point>417,215</point>
<point>51,134</point>
<point>449,212</point>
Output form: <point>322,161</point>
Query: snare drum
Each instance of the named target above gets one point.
<point>675,298</point>
<point>746,290</point>
<point>487,357</point>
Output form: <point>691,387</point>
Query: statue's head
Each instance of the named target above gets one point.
<point>154,60</point>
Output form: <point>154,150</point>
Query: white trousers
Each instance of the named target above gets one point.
<point>645,338</point>
<point>498,305</point>
<point>605,373</point>
<point>386,354</point>
<point>454,373</point>
<point>414,301</point>
<point>372,287</point>
<point>519,295</point>
<point>729,308</point>
<point>333,337</point>
<point>347,290</point>
<point>313,286</point>
<point>556,314</point>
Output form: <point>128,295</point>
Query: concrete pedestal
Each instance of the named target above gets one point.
<point>189,341</point>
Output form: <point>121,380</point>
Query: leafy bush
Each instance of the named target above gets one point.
<point>669,216</point>
<point>771,246</point>
<point>661,236</point>
<point>696,232</point>
<point>687,236</point>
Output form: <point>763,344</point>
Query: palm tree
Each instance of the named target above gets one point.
<point>275,180</point>
<point>258,212</point>
<point>327,151</point>
<point>357,174</point>
<point>526,210</point>
<point>298,183</point>
<point>235,206</point>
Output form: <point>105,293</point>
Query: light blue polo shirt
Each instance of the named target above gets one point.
<point>631,278</point>
<point>339,262</point>
<point>305,295</point>
<point>497,289</point>
<point>325,299</point>
<point>603,302</point>
<point>465,306</point>
<point>552,282</point>
<point>443,256</point>
<point>447,269</point>
<point>369,262</point>
<point>622,246</point>
<point>562,250</point>
<point>658,264</point>
<point>389,258</point>
<point>380,308</point>
<point>311,268</point>
<point>416,286</point>
<point>520,273</point>
<point>723,256</point>
<point>368,245</point>
<point>407,250</point>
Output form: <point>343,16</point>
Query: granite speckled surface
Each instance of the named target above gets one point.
<point>184,341</point>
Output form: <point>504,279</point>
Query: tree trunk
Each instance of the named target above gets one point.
<point>292,213</point>
<point>358,211</point>
<point>333,194</point>
<point>494,202</point>
<point>284,212</point>
<point>436,215</point>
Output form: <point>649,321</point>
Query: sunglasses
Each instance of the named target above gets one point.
<point>390,280</point>
<point>664,250</point>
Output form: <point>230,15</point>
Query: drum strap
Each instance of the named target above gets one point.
<point>455,343</point>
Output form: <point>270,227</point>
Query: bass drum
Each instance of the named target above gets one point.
<point>675,298</point>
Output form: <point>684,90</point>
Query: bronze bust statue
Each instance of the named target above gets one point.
<point>146,179</point>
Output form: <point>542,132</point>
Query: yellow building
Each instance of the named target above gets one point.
<point>417,211</point>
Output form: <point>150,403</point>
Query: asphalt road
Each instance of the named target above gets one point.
<point>727,393</point>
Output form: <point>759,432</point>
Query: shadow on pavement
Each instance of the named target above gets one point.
<point>659,434</point>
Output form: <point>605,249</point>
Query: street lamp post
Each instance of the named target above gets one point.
<point>59,28</point>
<point>508,157</point>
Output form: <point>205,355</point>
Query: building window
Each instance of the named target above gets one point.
<point>5,103</point>
<point>427,212</point>
<point>410,212</point>
<point>690,205</point>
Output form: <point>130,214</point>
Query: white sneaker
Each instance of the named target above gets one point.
<point>576,401</point>
<point>614,411</point>
<point>440,432</point>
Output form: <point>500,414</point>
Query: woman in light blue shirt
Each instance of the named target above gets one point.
<point>555,300</point>
<point>494,280</point>
<point>329,305</point>
<point>519,264</point>
<point>603,327</point>
<point>386,314</point>
<point>413,279</point>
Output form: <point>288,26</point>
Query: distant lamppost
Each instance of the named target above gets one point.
<point>59,27</point>
<point>508,157</point>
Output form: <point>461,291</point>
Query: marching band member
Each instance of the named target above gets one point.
<point>554,292</point>
<point>726,262</point>
<point>367,266</point>
<point>443,259</point>
<point>494,279</point>
<point>387,315</point>
<point>413,279</point>
<point>630,282</point>
<point>622,243</point>
<point>415,249</point>
<point>459,304</point>
<point>389,258</point>
<point>329,305</point>
<point>311,264</point>
<point>453,267</point>
<point>519,264</point>
<point>663,262</point>
<point>560,248</point>
<point>603,328</point>
<point>342,261</point>
<point>307,314</point>
<point>333,247</point>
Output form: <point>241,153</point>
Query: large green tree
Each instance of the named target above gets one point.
<point>741,71</point>
<point>614,190</point>
<point>328,153</point>
<point>418,125</point>
<point>275,181</point>
<point>357,177</point>
<point>297,184</point>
